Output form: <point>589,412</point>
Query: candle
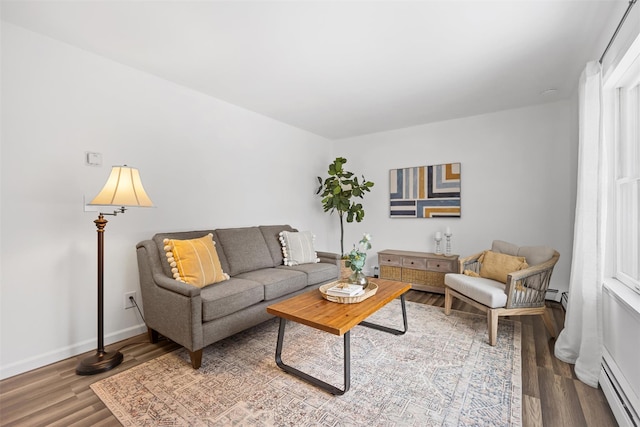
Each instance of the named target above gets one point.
<point>448,231</point>
<point>438,235</point>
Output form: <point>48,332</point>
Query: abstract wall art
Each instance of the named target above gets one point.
<point>425,191</point>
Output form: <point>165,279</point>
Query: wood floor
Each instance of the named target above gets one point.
<point>552,396</point>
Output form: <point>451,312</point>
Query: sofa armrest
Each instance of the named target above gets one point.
<point>175,286</point>
<point>172,308</point>
<point>329,257</point>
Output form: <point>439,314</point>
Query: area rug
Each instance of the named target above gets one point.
<point>442,372</point>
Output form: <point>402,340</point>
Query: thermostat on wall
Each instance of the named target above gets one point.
<point>92,159</point>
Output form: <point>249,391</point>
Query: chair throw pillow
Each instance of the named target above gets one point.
<point>194,261</point>
<point>497,266</point>
<point>470,273</point>
<point>297,248</point>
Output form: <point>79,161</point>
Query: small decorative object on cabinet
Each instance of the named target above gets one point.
<point>424,270</point>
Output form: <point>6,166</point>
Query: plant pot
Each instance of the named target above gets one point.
<point>345,272</point>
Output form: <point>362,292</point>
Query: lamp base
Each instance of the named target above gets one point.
<point>100,362</point>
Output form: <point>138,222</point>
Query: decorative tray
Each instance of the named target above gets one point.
<point>370,291</point>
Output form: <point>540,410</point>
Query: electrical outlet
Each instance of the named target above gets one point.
<point>127,302</point>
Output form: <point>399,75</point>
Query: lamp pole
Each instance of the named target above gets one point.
<point>102,360</point>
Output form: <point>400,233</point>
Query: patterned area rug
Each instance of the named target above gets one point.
<point>442,372</point>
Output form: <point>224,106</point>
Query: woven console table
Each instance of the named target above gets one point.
<point>424,270</point>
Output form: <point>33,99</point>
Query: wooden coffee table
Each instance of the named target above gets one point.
<point>312,310</point>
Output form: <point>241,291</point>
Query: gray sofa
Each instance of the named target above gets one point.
<point>252,256</point>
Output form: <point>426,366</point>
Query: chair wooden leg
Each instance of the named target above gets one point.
<point>196,358</point>
<point>492,320</point>
<point>549,323</point>
<point>448,301</point>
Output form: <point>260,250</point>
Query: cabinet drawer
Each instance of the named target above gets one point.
<point>416,263</point>
<point>441,265</point>
<point>390,260</point>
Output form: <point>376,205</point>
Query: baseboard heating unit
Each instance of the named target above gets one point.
<point>620,373</point>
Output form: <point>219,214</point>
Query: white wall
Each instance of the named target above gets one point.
<point>518,179</point>
<point>204,163</point>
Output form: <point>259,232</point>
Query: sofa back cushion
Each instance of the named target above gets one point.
<point>245,249</point>
<point>158,239</point>
<point>271,234</point>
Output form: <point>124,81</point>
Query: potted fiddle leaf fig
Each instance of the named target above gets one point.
<point>340,192</point>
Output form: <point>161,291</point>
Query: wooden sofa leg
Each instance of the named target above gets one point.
<point>448,301</point>
<point>492,320</point>
<point>153,336</point>
<point>196,358</point>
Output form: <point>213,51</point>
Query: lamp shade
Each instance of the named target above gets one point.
<point>123,188</point>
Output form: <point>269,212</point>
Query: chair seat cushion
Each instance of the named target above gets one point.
<point>485,291</point>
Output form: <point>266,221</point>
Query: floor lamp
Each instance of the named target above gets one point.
<point>124,189</point>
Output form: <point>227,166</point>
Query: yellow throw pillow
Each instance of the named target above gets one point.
<point>470,273</point>
<point>194,261</point>
<point>497,266</point>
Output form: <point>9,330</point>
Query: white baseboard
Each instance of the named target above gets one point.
<point>622,410</point>
<point>66,352</point>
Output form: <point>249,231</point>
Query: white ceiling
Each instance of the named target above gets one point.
<point>344,68</point>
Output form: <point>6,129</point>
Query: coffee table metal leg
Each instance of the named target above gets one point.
<point>313,380</point>
<point>391,330</point>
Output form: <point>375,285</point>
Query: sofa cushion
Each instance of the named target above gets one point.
<point>316,273</point>
<point>485,291</point>
<point>297,248</point>
<point>228,297</point>
<point>277,282</point>
<point>497,266</point>
<point>245,249</point>
<point>194,261</point>
<point>271,234</point>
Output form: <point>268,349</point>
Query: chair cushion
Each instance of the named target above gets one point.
<point>534,254</point>
<point>504,247</point>
<point>194,261</point>
<point>485,291</point>
<point>497,266</point>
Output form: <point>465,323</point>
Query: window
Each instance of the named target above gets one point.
<point>627,178</point>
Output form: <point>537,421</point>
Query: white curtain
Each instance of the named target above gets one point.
<point>580,342</point>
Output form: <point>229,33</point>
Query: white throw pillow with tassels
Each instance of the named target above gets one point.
<point>297,247</point>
